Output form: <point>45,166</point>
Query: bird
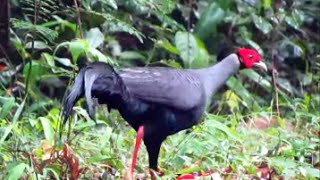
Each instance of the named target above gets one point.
<point>156,101</point>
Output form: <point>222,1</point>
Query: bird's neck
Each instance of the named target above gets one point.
<point>215,76</point>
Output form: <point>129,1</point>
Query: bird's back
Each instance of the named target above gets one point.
<point>179,89</point>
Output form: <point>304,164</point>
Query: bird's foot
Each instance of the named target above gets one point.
<point>156,173</point>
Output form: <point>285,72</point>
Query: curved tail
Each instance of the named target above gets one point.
<point>98,80</point>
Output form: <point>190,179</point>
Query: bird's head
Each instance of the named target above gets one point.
<point>250,58</point>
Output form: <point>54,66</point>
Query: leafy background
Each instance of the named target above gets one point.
<point>256,121</point>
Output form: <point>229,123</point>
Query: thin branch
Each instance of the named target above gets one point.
<point>274,82</point>
<point>37,6</point>
<point>189,27</point>
<point>78,18</point>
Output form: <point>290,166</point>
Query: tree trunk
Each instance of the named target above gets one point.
<point>4,27</point>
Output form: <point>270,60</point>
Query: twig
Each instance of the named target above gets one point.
<point>37,6</point>
<point>35,19</point>
<point>274,82</point>
<point>190,14</point>
<point>78,17</point>
<point>189,32</point>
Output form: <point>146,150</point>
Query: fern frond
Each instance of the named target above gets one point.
<point>45,32</point>
<point>114,24</point>
<point>45,8</point>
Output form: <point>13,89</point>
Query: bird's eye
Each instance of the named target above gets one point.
<point>250,56</point>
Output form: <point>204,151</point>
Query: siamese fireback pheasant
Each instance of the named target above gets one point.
<point>156,101</point>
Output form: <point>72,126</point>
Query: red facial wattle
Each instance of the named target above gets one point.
<point>249,57</point>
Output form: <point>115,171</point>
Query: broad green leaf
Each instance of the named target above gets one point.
<point>232,99</point>
<point>209,20</point>
<point>192,53</point>
<point>101,57</point>
<point>286,85</point>
<point>257,78</point>
<point>49,59</point>
<point>187,45</point>
<point>78,47</point>
<point>82,112</point>
<point>168,46</point>
<point>47,129</point>
<point>95,37</point>
<point>202,59</point>
<point>262,24</point>
<point>7,104</point>
<point>16,172</point>
<point>19,111</point>
<point>236,86</point>
<point>295,19</point>
<point>37,70</point>
<point>64,23</point>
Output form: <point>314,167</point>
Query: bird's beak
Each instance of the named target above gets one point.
<point>261,65</point>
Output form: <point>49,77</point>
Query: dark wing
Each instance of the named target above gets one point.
<point>180,89</point>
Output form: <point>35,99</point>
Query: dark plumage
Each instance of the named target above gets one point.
<point>155,101</point>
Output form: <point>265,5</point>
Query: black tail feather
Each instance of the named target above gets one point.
<point>75,94</point>
<point>92,79</point>
<point>89,78</point>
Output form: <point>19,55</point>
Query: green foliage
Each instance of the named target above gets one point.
<point>115,25</point>
<point>268,119</point>
<point>209,21</point>
<point>44,31</point>
<point>17,171</point>
<point>192,51</point>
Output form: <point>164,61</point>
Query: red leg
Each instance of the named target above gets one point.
<point>139,138</point>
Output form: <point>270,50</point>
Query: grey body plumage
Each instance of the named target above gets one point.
<point>180,89</point>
